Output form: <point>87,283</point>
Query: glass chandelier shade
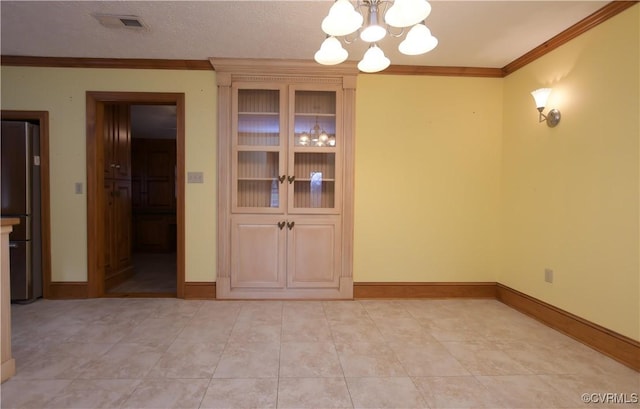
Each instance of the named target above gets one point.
<point>418,41</point>
<point>373,31</point>
<point>331,52</point>
<point>374,60</point>
<point>345,19</point>
<point>342,19</point>
<point>406,13</point>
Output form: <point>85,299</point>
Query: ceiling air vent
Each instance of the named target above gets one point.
<point>118,21</point>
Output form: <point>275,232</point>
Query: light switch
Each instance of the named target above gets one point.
<point>78,187</point>
<point>195,177</point>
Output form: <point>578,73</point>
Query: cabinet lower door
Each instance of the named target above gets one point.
<point>257,252</point>
<point>313,253</point>
<point>285,257</point>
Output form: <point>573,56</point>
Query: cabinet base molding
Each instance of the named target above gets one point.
<point>616,346</point>
<point>62,290</point>
<point>200,290</point>
<point>424,290</point>
<point>343,292</point>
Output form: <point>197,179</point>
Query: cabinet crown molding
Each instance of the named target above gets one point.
<point>272,67</point>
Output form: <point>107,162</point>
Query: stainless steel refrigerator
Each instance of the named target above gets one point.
<point>20,185</point>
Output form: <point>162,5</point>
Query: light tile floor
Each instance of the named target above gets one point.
<point>170,353</point>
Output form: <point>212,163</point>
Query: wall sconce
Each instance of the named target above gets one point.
<point>553,117</point>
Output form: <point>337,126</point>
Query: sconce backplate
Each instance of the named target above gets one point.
<point>553,118</point>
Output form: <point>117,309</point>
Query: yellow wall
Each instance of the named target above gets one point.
<point>455,179</point>
<point>427,178</point>
<point>571,193</point>
<point>61,91</point>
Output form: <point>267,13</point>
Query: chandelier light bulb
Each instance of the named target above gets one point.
<point>374,60</point>
<point>331,52</point>
<point>342,19</point>
<point>418,41</point>
<point>405,13</point>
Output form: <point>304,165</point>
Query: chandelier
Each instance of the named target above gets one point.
<point>346,21</point>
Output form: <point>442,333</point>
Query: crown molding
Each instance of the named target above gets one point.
<point>605,13</point>
<point>130,63</point>
<point>444,71</point>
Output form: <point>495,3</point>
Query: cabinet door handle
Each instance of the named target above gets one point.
<point>281,225</point>
<point>282,178</point>
<point>117,166</point>
<point>290,225</point>
<point>113,165</point>
<point>291,179</point>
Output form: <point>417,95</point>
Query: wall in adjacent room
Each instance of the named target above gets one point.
<point>571,193</point>
<point>427,196</point>
<point>61,91</point>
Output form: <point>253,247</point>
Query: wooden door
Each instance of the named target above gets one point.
<point>109,251</point>
<point>122,224</point>
<point>117,141</point>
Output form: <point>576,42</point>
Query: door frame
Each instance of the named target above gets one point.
<point>95,179</point>
<point>45,212</point>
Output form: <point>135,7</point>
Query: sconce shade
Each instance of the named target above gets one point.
<point>405,13</point>
<point>374,60</point>
<point>343,19</point>
<point>541,96</point>
<point>331,52</point>
<point>418,41</point>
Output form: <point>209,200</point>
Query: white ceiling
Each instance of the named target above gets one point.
<point>471,33</point>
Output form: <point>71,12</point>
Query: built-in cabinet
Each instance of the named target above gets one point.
<point>154,195</point>
<point>285,188</point>
<point>117,261</point>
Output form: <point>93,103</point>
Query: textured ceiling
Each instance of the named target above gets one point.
<point>470,33</point>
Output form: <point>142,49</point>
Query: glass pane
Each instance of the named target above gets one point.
<point>258,117</point>
<point>258,184</point>
<point>314,186</point>
<point>315,119</point>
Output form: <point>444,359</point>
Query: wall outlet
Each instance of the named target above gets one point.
<point>548,275</point>
<point>195,177</point>
<point>78,188</point>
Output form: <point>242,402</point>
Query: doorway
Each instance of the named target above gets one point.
<point>148,208</point>
<point>153,203</point>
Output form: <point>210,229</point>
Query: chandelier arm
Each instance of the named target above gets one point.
<point>348,40</point>
<point>392,34</point>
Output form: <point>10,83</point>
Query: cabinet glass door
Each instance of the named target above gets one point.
<point>315,157</point>
<point>258,150</point>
